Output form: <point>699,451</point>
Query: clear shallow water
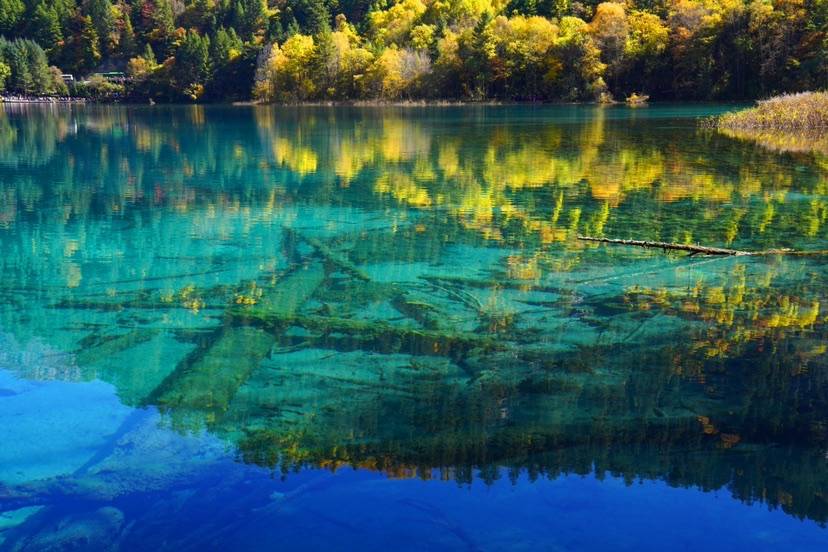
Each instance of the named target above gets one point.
<point>373,328</point>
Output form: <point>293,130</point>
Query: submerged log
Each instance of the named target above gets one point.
<point>479,283</point>
<point>419,311</point>
<point>335,259</point>
<point>693,249</point>
<point>292,291</point>
<point>109,346</point>
<point>372,335</point>
<point>210,376</point>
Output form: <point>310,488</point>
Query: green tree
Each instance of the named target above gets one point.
<point>42,81</point>
<point>149,55</point>
<point>248,17</point>
<point>45,26</point>
<point>56,84</point>
<point>306,16</point>
<point>5,73</point>
<point>477,50</point>
<point>324,64</point>
<point>224,47</point>
<point>126,43</point>
<point>192,60</point>
<point>28,70</point>
<point>100,11</point>
<point>157,25</point>
<point>11,12</point>
<point>20,78</point>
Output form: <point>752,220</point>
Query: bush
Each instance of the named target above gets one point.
<point>98,88</point>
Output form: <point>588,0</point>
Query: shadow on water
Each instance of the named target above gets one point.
<point>400,290</point>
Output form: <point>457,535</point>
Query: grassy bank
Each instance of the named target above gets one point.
<point>793,123</point>
<point>806,111</point>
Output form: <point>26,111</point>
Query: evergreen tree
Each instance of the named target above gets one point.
<point>11,13</point>
<point>127,45</point>
<point>223,47</point>
<point>100,11</point>
<point>249,15</point>
<point>192,60</point>
<point>24,68</point>
<point>323,64</point>
<point>20,80</point>
<point>311,16</point>
<point>274,32</point>
<point>162,26</point>
<point>45,26</point>
<point>38,65</point>
<point>149,55</point>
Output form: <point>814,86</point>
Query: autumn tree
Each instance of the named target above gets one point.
<point>81,54</point>
<point>575,68</point>
<point>522,48</point>
<point>398,73</point>
<point>285,72</point>
<point>5,73</point>
<point>610,30</point>
<point>473,49</point>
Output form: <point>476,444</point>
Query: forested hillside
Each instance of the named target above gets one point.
<point>304,50</point>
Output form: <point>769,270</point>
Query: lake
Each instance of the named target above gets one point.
<point>330,328</point>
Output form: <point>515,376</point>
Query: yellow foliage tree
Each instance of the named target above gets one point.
<point>398,72</point>
<point>609,29</point>
<point>575,67</point>
<point>392,26</point>
<point>648,35</point>
<point>285,74</point>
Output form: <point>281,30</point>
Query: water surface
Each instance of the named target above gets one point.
<point>374,328</point>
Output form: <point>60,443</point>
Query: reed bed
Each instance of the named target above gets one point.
<point>791,112</point>
<point>791,123</point>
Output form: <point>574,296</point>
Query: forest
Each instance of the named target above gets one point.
<point>332,50</point>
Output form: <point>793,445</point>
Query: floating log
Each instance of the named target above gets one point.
<point>694,249</point>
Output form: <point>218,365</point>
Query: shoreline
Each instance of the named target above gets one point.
<point>67,100</point>
<point>41,100</point>
<point>47,100</point>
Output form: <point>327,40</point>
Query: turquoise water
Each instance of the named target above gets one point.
<point>375,328</point>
